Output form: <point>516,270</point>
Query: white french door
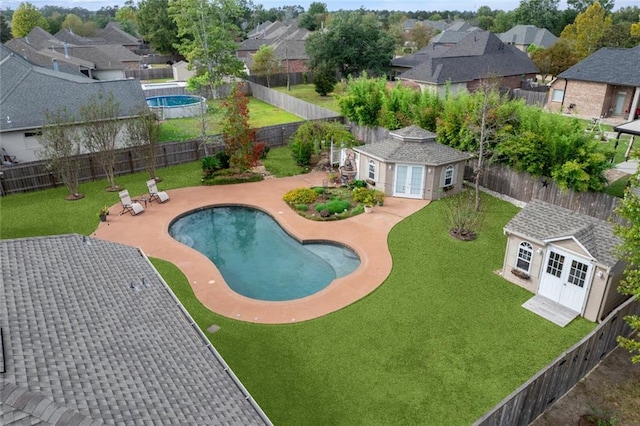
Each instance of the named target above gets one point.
<point>408,181</point>
<point>565,279</point>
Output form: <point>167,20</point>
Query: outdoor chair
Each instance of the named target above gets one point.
<point>159,196</point>
<point>7,160</point>
<point>132,207</point>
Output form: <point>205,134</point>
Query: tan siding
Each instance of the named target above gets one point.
<point>571,246</point>
<point>513,244</point>
<point>613,298</point>
<point>594,298</point>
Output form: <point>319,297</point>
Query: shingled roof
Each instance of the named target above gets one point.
<point>478,55</point>
<point>543,222</point>
<point>29,91</point>
<point>412,145</point>
<point>610,65</point>
<point>529,34</point>
<point>93,335</point>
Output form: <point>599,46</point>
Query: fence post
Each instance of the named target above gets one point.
<point>164,154</point>
<point>130,154</point>
<point>52,179</point>
<point>91,170</point>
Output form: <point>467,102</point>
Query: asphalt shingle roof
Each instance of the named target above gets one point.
<point>608,65</point>
<point>544,222</point>
<point>412,145</point>
<point>29,91</point>
<point>529,34</point>
<point>92,333</point>
<point>478,55</point>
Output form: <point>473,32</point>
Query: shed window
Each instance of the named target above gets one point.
<point>448,176</point>
<point>372,170</point>
<point>525,252</point>
<point>557,96</point>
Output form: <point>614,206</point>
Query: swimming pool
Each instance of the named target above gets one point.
<point>257,258</point>
<point>177,106</point>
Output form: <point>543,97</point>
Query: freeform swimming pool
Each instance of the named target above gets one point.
<point>177,106</point>
<point>257,258</point>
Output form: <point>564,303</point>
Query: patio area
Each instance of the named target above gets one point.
<point>366,234</point>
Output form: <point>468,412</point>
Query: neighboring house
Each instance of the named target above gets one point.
<point>438,26</point>
<point>91,334</point>
<point>49,58</point>
<point>523,36</point>
<point>111,60</point>
<point>566,257</point>
<point>606,83</point>
<point>411,164</point>
<point>181,72</point>
<point>28,92</point>
<point>288,41</point>
<point>114,35</point>
<point>480,55</point>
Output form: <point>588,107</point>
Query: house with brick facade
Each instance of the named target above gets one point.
<point>462,67</point>
<point>605,84</point>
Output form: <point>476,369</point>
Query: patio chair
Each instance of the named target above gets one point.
<point>132,207</point>
<point>159,196</point>
<point>7,160</point>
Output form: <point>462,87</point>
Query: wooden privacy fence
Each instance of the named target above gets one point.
<point>150,73</point>
<point>296,106</point>
<point>536,395</point>
<point>531,97</point>
<point>35,175</point>
<point>524,187</point>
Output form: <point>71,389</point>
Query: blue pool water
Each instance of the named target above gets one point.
<point>172,100</point>
<point>257,258</point>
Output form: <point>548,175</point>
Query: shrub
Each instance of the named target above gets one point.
<point>302,150</point>
<point>358,184</point>
<point>300,196</point>
<point>260,150</point>
<point>364,195</point>
<point>227,179</point>
<point>301,207</point>
<point>319,190</point>
<point>223,158</point>
<point>334,206</point>
<point>209,166</point>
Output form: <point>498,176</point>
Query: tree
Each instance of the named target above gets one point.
<point>265,63</point>
<point>126,17</point>
<point>314,18</point>
<point>74,23</point>
<point>61,146</point>
<point>5,31</point>
<point>100,129</point>
<point>619,35</point>
<point>207,39</point>
<point>555,59</point>
<point>156,26</point>
<point>25,18</point>
<point>635,28</point>
<point>628,229</point>
<point>503,21</point>
<point>581,5</point>
<point>585,33</point>
<point>541,13</point>
<point>324,79</point>
<point>143,134</point>
<point>420,35</point>
<point>237,134</point>
<point>353,43</point>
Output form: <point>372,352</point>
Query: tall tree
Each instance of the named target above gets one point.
<point>420,35</point>
<point>581,5</point>
<point>629,250</point>
<point>143,134</point>
<point>353,43</point>
<point>207,35</point>
<point>238,135</point>
<point>25,18</point>
<point>74,23</point>
<point>156,26</point>
<point>100,129</point>
<point>61,146</point>
<point>585,33</point>
<point>315,17</point>
<point>126,17</point>
<point>5,31</point>
<point>265,63</point>
<point>555,59</point>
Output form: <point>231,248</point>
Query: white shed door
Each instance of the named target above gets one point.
<point>565,280</point>
<point>408,181</point>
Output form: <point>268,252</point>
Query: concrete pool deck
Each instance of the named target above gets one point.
<point>366,234</point>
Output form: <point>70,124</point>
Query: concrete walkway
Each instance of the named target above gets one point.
<point>366,234</point>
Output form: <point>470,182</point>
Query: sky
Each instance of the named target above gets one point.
<point>406,5</point>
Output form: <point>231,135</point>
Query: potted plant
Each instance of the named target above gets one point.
<point>103,214</point>
<point>379,198</point>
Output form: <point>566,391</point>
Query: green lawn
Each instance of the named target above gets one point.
<point>307,92</point>
<point>440,342</point>
<point>260,115</point>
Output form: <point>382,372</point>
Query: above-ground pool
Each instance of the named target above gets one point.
<point>177,106</point>
<point>257,258</point>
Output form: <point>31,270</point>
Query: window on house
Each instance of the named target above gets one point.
<point>525,252</point>
<point>557,96</point>
<point>372,170</point>
<point>448,176</point>
<point>555,264</point>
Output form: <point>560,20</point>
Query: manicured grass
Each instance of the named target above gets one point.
<point>280,163</point>
<point>260,115</point>
<point>307,92</point>
<point>440,342</point>
<point>617,188</point>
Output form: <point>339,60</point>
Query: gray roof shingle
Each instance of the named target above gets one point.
<point>545,222</point>
<point>91,332</point>
<point>478,55</point>
<point>29,91</point>
<point>529,34</point>
<point>412,145</point>
<point>610,65</point>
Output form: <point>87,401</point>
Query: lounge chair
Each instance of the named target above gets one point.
<point>159,196</point>
<point>132,207</point>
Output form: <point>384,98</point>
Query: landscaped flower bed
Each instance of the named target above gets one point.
<point>323,203</point>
